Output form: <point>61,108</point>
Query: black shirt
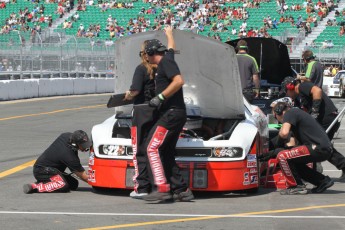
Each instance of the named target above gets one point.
<point>327,107</point>
<point>306,129</point>
<point>141,82</point>
<point>60,155</point>
<point>166,70</point>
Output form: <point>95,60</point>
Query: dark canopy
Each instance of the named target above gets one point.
<point>275,63</point>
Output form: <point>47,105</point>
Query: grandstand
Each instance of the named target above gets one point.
<point>74,35</point>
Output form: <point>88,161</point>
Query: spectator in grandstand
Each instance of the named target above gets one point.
<point>314,70</point>
<point>313,100</point>
<point>341,30</point>
<point>49,168</point>
<point>249,72</point>
<point>293,161</point>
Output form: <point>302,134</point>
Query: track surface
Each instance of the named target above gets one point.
<point>29,126</point>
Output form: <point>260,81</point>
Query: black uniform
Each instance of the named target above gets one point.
<point>163,136</point>
<point>327,113</point>
<point>144,117</point>
<point>314,146</point>
<point>50,166</point>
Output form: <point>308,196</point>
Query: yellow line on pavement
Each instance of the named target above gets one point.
<point>214,217</point>
<point>17,169</point>
<point>51,112</point>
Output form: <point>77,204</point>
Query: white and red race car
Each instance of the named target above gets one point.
<point>212,91</point>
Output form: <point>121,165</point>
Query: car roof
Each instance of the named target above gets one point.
<point>209,68</point>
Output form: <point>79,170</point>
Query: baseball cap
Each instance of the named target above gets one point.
<point>80,138</point>
<point>153,46</point>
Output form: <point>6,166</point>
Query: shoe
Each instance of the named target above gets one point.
<point>325,184</point>
<point>298,190</point>
<point>184,196</point>
<point>342,177</point>
<point>136,195</point>
<point>28,189</point>
<point>157,196</point>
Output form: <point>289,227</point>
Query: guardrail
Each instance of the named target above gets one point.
<point>15,75</point>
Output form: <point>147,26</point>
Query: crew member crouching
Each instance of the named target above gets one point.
<point>313,146</point>
<point>50,166</point>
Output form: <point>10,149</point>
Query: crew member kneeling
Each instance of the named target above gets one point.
<point>314,146</point>
<point>50,166</point>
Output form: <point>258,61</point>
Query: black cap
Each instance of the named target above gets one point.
<point>153,46</point>
<point>80,138</point>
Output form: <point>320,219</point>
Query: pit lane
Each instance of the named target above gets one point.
<point>29,126</point>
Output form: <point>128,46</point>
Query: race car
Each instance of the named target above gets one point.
<point>209,161</point>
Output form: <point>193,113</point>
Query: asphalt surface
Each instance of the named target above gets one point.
<point>29,126</point>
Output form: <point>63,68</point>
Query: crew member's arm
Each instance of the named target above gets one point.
<point>169,34</point>
<point>256,81</point>
<point>174,86</point>
<point>316,94</point>
<point>82,175</point>
<point>285,131</point>
<point>302,78</point>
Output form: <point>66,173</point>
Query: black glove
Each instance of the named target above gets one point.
<point>315,108</point>
<point>157,101</point>
<point>271,154</point>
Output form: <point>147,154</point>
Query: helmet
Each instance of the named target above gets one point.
<point>80,138</point>
<point>288,84</point>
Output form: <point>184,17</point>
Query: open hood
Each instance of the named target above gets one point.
<point>271,55</point>
<point>209,67</point>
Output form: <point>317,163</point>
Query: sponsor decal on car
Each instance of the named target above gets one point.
<point>91,175</point>
<point>246,178</point>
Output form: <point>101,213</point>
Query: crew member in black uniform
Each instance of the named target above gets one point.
<point>313,146</point>
<point>142,91</point>
<point>163,136</point>
<point>313,100</point>
<point>49,168</point>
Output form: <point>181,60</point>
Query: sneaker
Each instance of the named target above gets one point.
<point>136,195</point>
<point>184,196</point>
<point>27,189</point>
<point>158,196</point>
<point>325,184</point>
<point>298,190</point>
<point>342,177</point>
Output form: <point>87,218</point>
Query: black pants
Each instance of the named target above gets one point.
<point>52,180</point>
<point>144,117</point>
<point>336,159</point>
<point>293,163</point>
<point>249,95</point>
<point>161,144</point>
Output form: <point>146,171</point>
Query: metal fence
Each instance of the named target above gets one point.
<point>56,56</point>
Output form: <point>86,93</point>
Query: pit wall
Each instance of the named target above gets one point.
<point>32,88</point>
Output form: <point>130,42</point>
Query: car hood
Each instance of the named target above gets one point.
<point>209,68</point>
<point>272,57</point>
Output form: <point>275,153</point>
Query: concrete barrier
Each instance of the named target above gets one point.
<point>31,88</point>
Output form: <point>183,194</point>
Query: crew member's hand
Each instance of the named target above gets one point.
<point>168,30</point>
<point>271,154</point>
<point>314,115</point>
<point>157,101</point>
<point>128,96</point>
